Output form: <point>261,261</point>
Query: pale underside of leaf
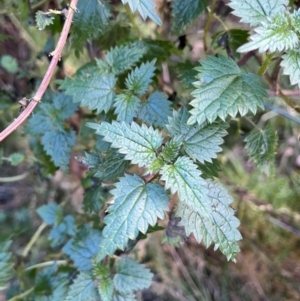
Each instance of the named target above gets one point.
<point>256,11</point>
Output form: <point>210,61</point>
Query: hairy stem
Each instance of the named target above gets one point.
<point>207,24</point>
<point>21,296</point>
<point>46,80</point>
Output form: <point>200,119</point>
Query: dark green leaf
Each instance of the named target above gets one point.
<point>6,266</point>
<point>185,11</point>
<point>187,73</point>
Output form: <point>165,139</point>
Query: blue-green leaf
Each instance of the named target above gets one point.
<point>291,66</point>
<point>261,147</point>
<point>224,90</point>
<point>105,289</point>
<point>177,124</point>
<point>131,276</point>
<point>155,110</point>
<point>136,206</point>
<point>185,11</point>
<point>184,178</point>
<point>82,251</point>
<point>58,145</point>
<point>256,11</point>
<point>122,58</point>
<point>220,227</point>
<point>138,143</point>
<point>93,90</point>
<point>82,289</point>
<point>140,78</point>
<point>145,8</point>
<point>50,213</point>
<point>6,266</point>
<point>64,106</point>
<point>127,106</point>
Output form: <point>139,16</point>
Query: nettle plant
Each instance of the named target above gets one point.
<point>147,146</point>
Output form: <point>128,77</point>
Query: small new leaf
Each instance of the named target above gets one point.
<point>94,90</point>
<point>155,110</point>
<point>145,8</point>
<point>280,33</point>
<point>261,147</point>
<point>82,289</point>
<point>291,66</point>
<point>131,276</point>
<point>185,11</point>
<point>6,267</point>
<point>43,19</point>
<point>105,289</point>
<point>136,206</point>
<point>220,227</point>
<point>224,90</point>
<point>140,78</point>
<point>127,106</point>
<point>256,11</point>
<point>138,143</point>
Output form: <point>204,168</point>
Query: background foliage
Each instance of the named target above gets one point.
<point>162,119</point>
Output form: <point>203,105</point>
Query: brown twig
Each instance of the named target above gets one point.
<point>46,80</point>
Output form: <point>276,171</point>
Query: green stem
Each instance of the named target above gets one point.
<point>207,24</point>
<point>34,239</point>
<point>14,179</point>
<point>21,296</point>
<point>46,264</point>
<point>263,68</point>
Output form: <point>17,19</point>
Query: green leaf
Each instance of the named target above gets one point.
<point>58,145</point>
<point>140,78</point>
<point>177,124</point>
<point>187,74</point>
<point>82,289</point>
<point>127,106</point>
<point>43,19</point>
<point>280,33</point>
<point>184,178</point>
<point>16,158</point>
<point>256,11</point>
<point>121,58</point>
<point>131,276</point>
<point>64,106</point>
<point>82,250</point>
<point>155,110</point>
<point>60,231</point>
<point>138,143</point>
<point>171,149</point>
<point>200,142</point>
<point>93,199</point>
<point>118,296</point>
<point>220,227</point>
<point>185,11</point>
<point>136,205</point>
<point>145,8</point>
<point>50,213</point>
<point>230,39</point>
<point>94,90</point>
<point>291,66</point>
<point>6,267</point>
<point>89,21</point>
<point>224,90</point>
<point>261,147</point>
<point>112,166</point>
<point>9,63</point>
